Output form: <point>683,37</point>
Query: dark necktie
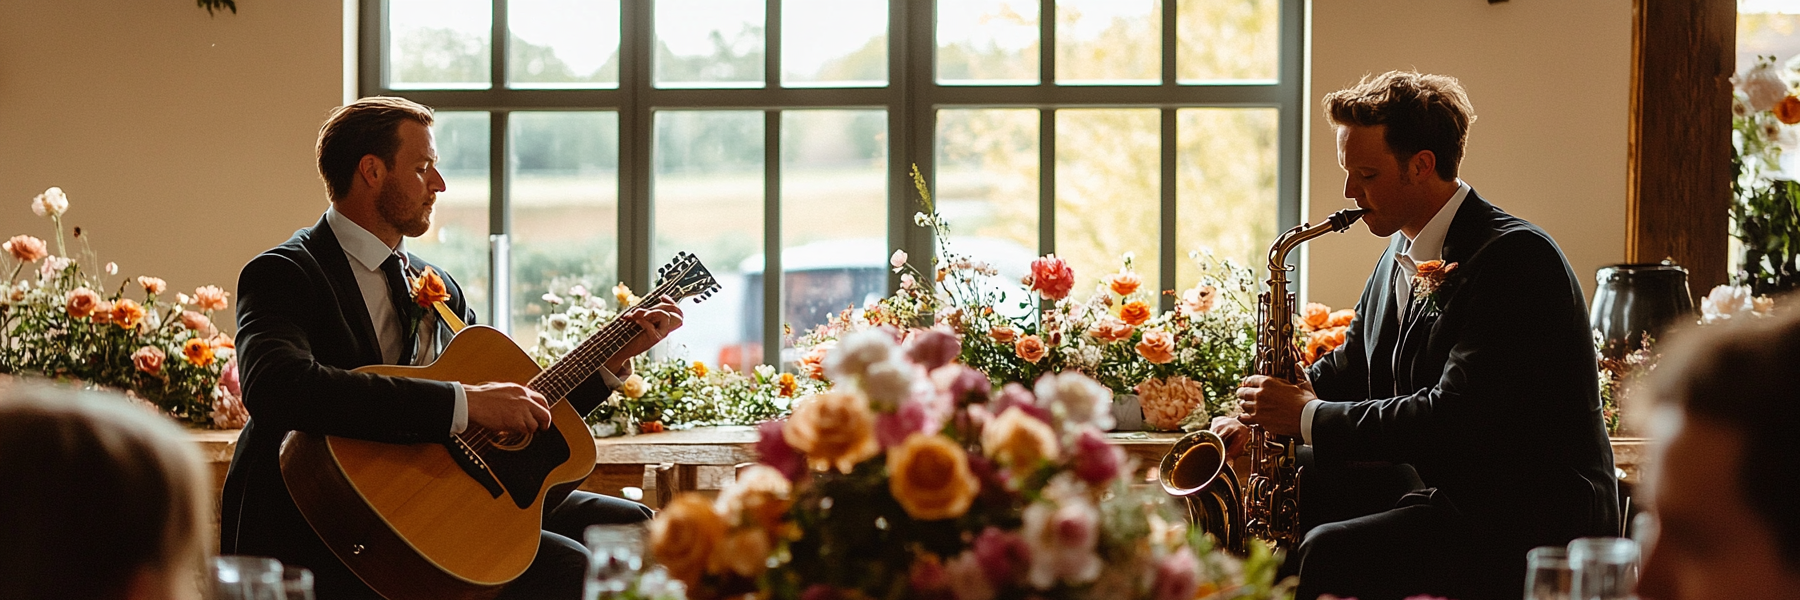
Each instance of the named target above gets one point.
<point>402,299</point>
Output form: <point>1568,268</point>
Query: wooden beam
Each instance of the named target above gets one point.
<point>1678,186</point>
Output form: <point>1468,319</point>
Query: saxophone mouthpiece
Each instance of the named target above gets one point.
<point>1343,219</point>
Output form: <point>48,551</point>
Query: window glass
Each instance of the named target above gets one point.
<point>708,200</point>
<point>988,42</point>
<point>709,43</point>
<point>1113,42</point>
<point>563,44</point>
<point>1108,165</point>
<point>1225,168</point>
<point>440,44</point>
<point>1227,40</point>
<point>833,212</point>
<point>564,169</point>
<point>834,43</point>
<point>987,186</point>
<point>458,238</point>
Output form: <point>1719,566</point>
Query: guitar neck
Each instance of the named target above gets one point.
<point>559,379</point>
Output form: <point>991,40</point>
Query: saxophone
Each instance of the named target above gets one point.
<point>1195,468</point>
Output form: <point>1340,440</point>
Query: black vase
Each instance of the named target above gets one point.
<point>1635,299</point>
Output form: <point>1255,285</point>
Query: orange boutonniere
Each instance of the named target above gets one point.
<point>428,288</point>
<point>1429,281</point>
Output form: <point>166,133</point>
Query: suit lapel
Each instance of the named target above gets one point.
<point>323,244</point>
<point>1384,327</point>
<point>1464,236</point>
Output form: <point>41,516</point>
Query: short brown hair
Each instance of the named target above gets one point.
<point>1421,112</point>
<point>367,126</point>
<point>98,488</point>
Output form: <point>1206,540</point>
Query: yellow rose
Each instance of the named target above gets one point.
<point>683,535</point>
<point>633,386</point>
<point>1018,439</point>
<point>929,475</point>
<point>835,429</point>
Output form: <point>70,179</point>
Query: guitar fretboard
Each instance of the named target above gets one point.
<point>559,379</point>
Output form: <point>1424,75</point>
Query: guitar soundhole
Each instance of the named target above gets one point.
<point>512,441</point>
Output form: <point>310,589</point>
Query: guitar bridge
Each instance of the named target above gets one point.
<point>472,464</point>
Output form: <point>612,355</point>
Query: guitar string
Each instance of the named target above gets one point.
<point>609,340</point>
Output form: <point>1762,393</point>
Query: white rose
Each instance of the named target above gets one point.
<point>855,353</point>
<point>890,382</point>
<point>1725,302</point>
<point>50,203</point>
<point>1081,399</point>
<point>1762,87</point>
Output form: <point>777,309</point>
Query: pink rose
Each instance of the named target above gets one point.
<point>1014,394</point>
<point>228,379</point>
<point>26,248</point>
<point>932,348</point>
<point>1003,556</point>
<point>964,576</point>
<point>1052,277</point>
<point>81,302</point>
<point>149,360</point>
<point>1110,329</point>
<point>152,285</point>
<point>1095,461</point>
<point>194,321</point>
<point>210,297</point>
<point>927,576</point>
<point>1177,576</point>
<point>773,450</point>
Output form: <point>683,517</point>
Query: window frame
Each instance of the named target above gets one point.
<point>911,100</point>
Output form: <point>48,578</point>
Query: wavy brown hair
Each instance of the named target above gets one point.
<point>361,128</point>
<point>1421,112</point>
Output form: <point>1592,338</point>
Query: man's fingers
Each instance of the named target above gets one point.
<point>541,416</point>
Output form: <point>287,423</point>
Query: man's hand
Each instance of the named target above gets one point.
<point>1275,404</point>
<point>507,407</point>
<point>1235,434</point>
<point>656,322</point>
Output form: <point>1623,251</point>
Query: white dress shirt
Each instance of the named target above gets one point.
<point>1427,246</point>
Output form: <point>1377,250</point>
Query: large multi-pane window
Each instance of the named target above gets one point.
<point>588,141</point>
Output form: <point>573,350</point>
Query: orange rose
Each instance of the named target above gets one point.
<point>929,475</point>
<point>127,313</point>
<point>26,248</point>
<point>786,385</point>
<point>835,429</point>
<point>814,361</point>
<point>1052,277</point>
<point>698,369</point>
<point>1341,318</point>
<point>1004,335</point>
<point>152,285</point>
<point>148,359</point>
<point>1018,439</point>
<point>210,297</point>
<point>102,313</point>
<point>1788,110</point>
<point>1315,315</point>
<point>1157,347</point>
<point>81,302</point>
<point>1124,283</point>
<point>1135,312</point>
<point>428,288</point>
<point>198,352</point>
<point>1110,329</point>
<point>683,535</point>
<point>1030,348</point>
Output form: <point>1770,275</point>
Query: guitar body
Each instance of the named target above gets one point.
<point>409,519</point>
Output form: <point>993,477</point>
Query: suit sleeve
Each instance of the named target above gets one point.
<point>287,388</point>
<point>1343,373</point>
<point>1512,363</point>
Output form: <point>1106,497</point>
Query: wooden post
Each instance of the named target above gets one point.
<point>1678,186</point>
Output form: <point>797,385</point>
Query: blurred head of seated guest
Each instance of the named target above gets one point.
<point>99,498</point>
<point>1723,410</point>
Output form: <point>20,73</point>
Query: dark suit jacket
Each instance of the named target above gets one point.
<point>302,325</point>
<point>1492,396</point>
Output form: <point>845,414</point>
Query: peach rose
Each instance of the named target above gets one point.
<point>1135,312</point>
<point>1157,347</point>
<point>1004,335</point>
<point>835,429</point>
<point>152,285</point>
<point>210,297</point>
<point>1167,402</point>
<point>813,362</point>
<point>1341,318</point>
<point>198,352</point>
<point>759,497</point>
<point>683,536</point>
<point>127,313</point>
<point>81,302</point>
<point>102,313</point>
<point>427,288</point>
<point>1429,267</point>
<point>929,475</point>
<point>1018,439</point>
<point>1198,299</point>
<point>26,248</point>
<point>1052,277</point>
<point>1788,110</point>
<point>1110,329</point>
<point>1124,283</point>
<point>148,359</point>
<point>196,322</point>
<point>220,340</point>
<point>1315,316</point>
<point>744,552</point>
<point>1030,348</point>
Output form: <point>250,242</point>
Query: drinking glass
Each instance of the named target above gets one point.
<point>1605,568</point>
<point>247,578</point>
<point>1547,573</point>
<point>618,555</point>
<point>297,583</point>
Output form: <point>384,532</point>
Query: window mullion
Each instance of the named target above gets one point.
<point>773,277</point>
<point>1167,250</point>
<point>499,224</point>
<point>636,130</point>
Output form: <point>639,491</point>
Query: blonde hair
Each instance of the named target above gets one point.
<point>96,492</point>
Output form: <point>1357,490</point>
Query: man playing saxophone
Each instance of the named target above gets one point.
<point>1459,424</point>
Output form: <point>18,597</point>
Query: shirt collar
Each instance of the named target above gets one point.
<point>1429,245</point>
<point>357,242</point>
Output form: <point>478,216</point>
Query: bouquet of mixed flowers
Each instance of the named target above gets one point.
<point>662,393</point>
<point>914,478</point>
<point>1765,214</point>
<point>64,319</point>
<point>1617,375</point>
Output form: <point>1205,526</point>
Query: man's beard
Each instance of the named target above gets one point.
<point>392,206</point>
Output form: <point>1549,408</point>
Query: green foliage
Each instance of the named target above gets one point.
<point>1766,213</point>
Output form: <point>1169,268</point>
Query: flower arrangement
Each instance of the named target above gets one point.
<point>914,478</point>
<point>1617,375</point>
<point>65,319</point>
<point>1765,217</point>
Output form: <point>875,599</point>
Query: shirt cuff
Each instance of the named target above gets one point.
<point>1306,418</point>
<point>460,421</point>
<point>614,380</point>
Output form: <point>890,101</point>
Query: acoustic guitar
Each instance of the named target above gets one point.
<point>460,518</point>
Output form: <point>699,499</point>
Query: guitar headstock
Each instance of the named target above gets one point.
<point>685,277</point>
